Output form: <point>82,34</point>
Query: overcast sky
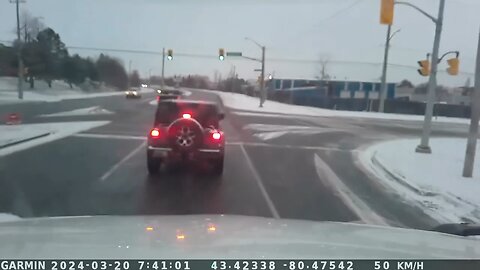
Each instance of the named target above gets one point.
<point>340,30</point>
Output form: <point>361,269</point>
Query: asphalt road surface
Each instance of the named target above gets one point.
<point>310,172</point>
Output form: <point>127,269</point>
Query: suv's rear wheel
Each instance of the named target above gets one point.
<point>153,164</point>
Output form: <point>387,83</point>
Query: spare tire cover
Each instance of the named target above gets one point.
<point>185,134</point>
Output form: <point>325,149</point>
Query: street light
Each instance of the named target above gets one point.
<point>262,75</point>
<point>383,88</point>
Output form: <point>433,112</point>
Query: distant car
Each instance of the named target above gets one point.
<point>132,93</point>
<point>168,94</point>
<point>186,131</point>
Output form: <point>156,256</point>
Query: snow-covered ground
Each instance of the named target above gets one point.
<point>431,181</point>
<point>59,91</point>
<point>96,110</point>
<point>9,134</point>
<point>247,103</point>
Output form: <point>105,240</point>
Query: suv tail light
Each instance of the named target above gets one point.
<point>155,133</point>
<point>216,136</point>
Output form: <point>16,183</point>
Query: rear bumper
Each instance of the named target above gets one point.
<point>167,152</point>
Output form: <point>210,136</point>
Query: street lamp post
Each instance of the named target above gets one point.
<point>383,88</point>
<point>150,76</point>
<point>163,69</point>
<point>262,75</point>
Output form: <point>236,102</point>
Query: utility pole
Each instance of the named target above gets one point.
<point>19,53</point>
<point>129,72</point>
<point>262,75</point>
<point>475,117</point>
<point>432,84</point>
<point>383,87</point>
<point>163,68</point>
<point>262,79</point>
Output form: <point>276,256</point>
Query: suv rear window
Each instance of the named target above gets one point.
<point>205,114</point>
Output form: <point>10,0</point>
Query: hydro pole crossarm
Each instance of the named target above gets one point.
<point>251,58</point>
<point>435,20</point>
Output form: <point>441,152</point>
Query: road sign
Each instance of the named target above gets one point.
<point>234,53</point>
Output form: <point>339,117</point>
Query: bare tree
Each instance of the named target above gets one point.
<point>30,26</point>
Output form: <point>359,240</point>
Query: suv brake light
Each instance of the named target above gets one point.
<point>155,133</point>
<point>216,136</point>
<point>187,116</point>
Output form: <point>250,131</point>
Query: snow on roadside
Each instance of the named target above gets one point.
<point>96,110</point>
<point>6,217</point>
<point>247,103</point>
<point>432,181</point>
<point>56,130</point>
<point>11,97</point>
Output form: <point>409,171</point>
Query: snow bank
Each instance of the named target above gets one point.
<point>432,181</point>
<point>96,110</point>
<point>55,130</point>
<point>247,103</point>
<point>42,93</point>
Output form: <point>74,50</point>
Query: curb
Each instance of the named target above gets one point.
<point>24,140</point>
<point>398,178</point>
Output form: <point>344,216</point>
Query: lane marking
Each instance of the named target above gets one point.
<point>270,204</point>
<point>123,160</point>
<point>328,177</point>
<point>261,144</point>
<point>324,148</point>
<point>109,136</point>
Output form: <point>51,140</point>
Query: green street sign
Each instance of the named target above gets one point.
<point>234,53</point>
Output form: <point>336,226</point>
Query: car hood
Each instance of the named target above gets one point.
<point>222,236</point>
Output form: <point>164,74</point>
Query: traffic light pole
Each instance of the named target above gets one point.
<point>262,79</point>
<point>475,117</point>
<point>163,68</point>
<point>262,94</point>
<point>424,147</point>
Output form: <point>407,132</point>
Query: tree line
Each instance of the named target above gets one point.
<point>46,57</point>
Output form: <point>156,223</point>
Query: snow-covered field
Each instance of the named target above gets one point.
<point>96,110</point>
<point>9,134</point>
<point>59,91</point>
<point>431,181</point>
<point>247,103</point>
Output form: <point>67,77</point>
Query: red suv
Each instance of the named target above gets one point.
<point>186,131</point>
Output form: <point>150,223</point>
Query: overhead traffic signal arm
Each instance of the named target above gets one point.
<point>453,63</point>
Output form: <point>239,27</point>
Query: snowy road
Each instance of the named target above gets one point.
<point>281,166</point>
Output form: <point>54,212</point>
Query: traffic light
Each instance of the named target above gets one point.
<point>386,11</point>
<point>170,54</point>
<point>424,67</point>
<point>221,54</point>
<point>453,64</point>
